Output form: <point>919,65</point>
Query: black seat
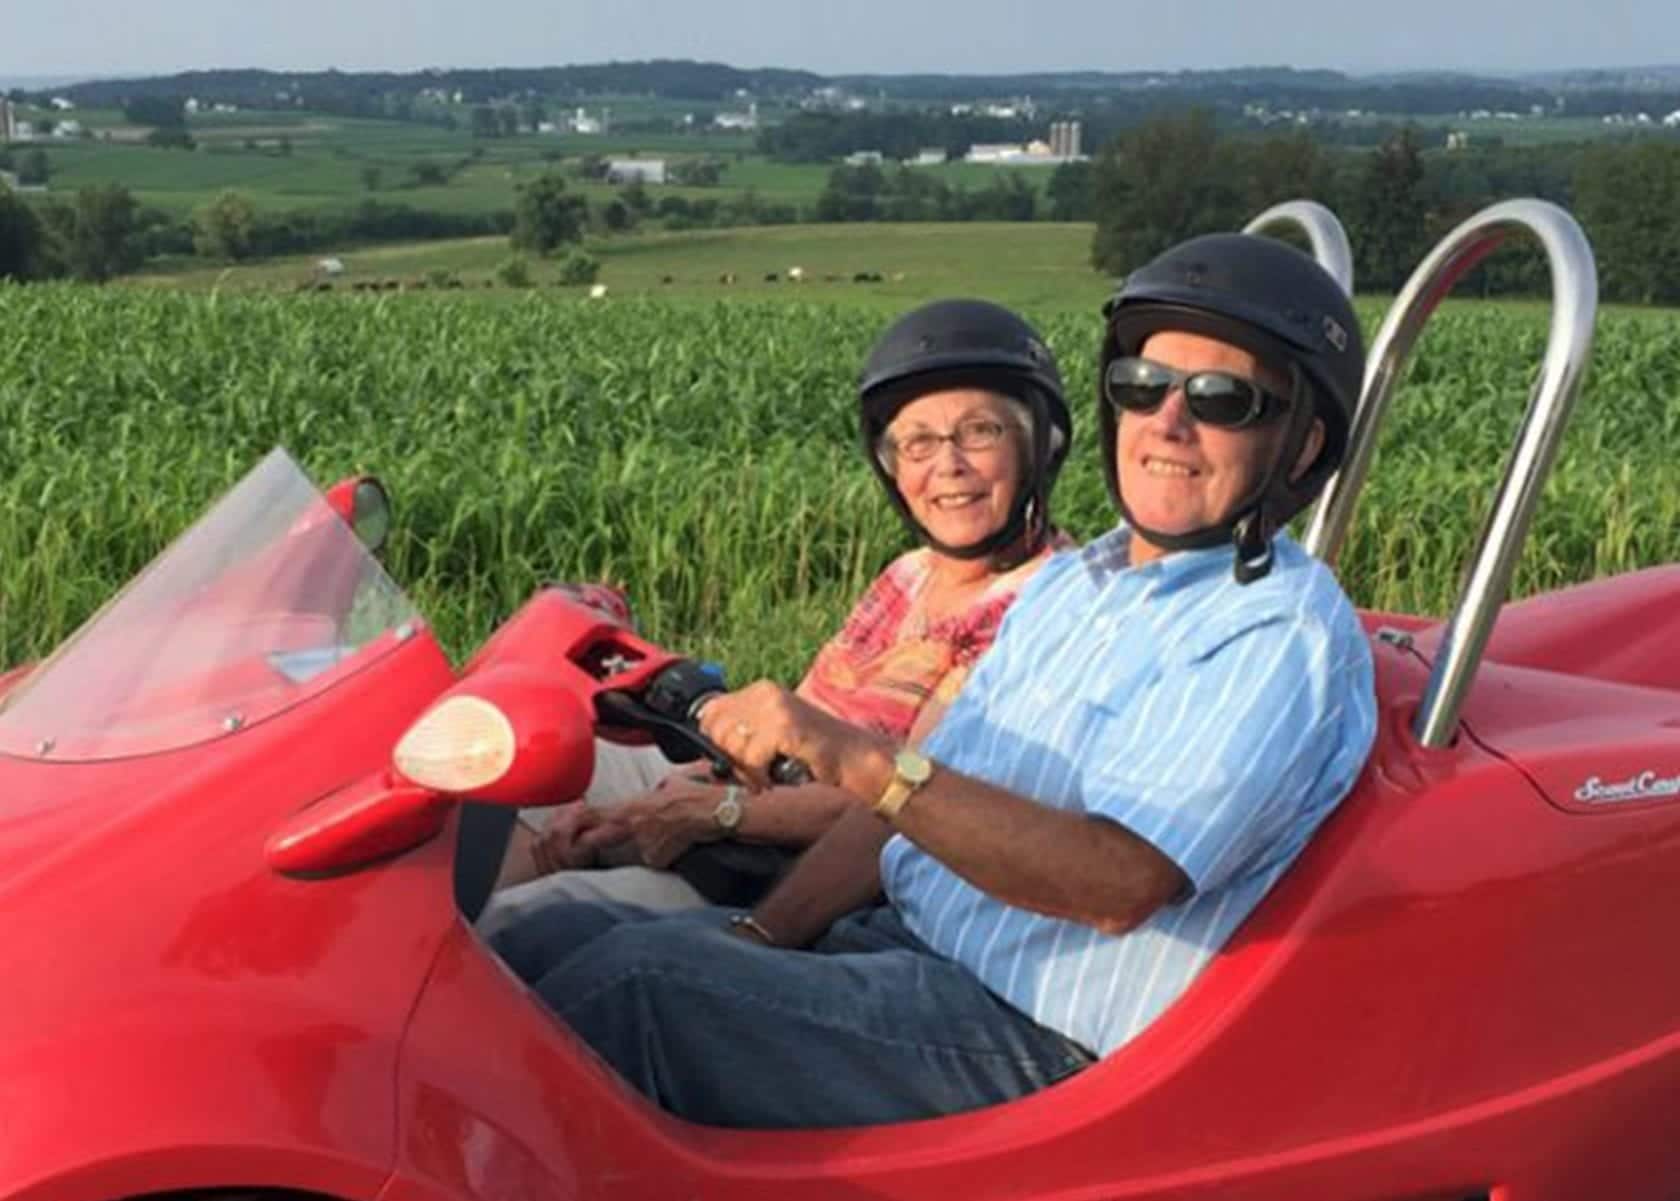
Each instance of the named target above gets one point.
<point>480,845</point>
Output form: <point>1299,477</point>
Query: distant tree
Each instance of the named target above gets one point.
<point>1157,185</point>
<point>429,174</point>
<point>535,115</point>
<point>34,169</point>
<point>1288,167</point>
<point>515,272</point>
<point>225,227</point>
<point>371,177</point>
<point>578,268</point>
<point>697,172</point>
<point>484,123</point>
<point>589,166</point>
<point>618,217</point>
<point>285,147</point>
<point>1389,213</point>
<point>1009,197</point>
<point>160,112</point>
<point>852,194</point>
<point>101,240</point>
<point>546,216</point>
<point>1071,194</point>
<point>22,238</point>
<point>170,138</point>
<point>635,197</point>
<point>508,120</point>
<point>1627,197</point>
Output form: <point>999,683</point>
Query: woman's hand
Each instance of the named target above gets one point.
<point>574,838</point>
<point>763,720</point>
<point>672,818</point>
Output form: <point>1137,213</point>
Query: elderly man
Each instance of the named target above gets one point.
<point>1155,734</point>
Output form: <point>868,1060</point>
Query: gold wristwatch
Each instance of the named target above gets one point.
<point>911,769</point>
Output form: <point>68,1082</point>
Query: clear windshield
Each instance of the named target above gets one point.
<point>269,600</point>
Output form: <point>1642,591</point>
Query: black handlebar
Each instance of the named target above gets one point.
<point>669,710</point>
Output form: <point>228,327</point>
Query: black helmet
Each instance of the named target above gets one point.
<point>970,343</point>
<point>1279,305</point>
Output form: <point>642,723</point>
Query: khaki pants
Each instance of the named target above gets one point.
<point>621,773</point>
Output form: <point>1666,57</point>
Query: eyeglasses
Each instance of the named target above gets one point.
<point>1217,398</point>
<point>971,434</point>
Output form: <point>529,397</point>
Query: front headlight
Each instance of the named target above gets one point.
<point>462,744</point>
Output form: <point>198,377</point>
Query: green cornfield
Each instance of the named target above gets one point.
<point>703,456</point>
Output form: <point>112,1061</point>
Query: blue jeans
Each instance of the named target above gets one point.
<point>867,1026</point>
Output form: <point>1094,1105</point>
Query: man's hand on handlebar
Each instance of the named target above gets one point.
<point>762,723</point>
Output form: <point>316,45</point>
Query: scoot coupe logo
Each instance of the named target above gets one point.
<point>1646,786</point>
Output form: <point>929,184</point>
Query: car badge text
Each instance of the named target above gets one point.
<point>1647,785</point>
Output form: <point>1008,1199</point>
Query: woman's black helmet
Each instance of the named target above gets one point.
<point>970,344</point>
<point>1279,305</point>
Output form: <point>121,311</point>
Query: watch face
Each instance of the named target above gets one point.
<point>728,813</point>
<point>912,767</point>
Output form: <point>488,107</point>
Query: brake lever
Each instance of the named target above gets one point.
<point>679,741</point>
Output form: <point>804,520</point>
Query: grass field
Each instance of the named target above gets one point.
<point>325,159</point>
<point>1040,264</point>
<point>701,453</point>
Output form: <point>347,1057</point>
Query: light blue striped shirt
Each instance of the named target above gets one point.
<point>1220,722</point>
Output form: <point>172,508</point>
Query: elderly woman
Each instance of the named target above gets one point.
<point>964,421</point>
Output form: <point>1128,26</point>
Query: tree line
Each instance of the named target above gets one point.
<point>1096,96</point>
<point>1178,176</point>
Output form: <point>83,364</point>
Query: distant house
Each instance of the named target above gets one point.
<point>995,152</point>
<point>1673,119</point>
<point>746,120</point>
<point>582,122</point>
<point>865,158</point>
<point>929,157</point>
<point>636,170</point>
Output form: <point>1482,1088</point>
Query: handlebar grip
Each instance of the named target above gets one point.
<point>789,771</point>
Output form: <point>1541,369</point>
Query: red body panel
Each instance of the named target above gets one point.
<point>1466,983</point>
<point>177,1014</point>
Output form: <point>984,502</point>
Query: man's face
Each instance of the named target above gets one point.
<point>1179,475</point>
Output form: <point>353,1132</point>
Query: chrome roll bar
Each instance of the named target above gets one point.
<point>1568,347</point>
<point>1324,233</point>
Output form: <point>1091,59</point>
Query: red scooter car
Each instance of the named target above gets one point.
<point>238,870</point>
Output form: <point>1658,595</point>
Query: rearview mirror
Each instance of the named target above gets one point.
<point>370,513</point>
<point>365,507</point>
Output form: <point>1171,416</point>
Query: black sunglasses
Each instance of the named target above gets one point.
<point>1217,398</point>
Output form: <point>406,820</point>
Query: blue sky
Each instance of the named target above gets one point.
<point>108,37</point>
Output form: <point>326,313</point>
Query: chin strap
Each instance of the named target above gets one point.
<point>1020,536</point>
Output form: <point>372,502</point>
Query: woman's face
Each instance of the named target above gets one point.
<point>959,496</point>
